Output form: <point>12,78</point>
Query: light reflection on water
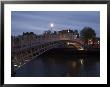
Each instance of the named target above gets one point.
<point>61,66</point>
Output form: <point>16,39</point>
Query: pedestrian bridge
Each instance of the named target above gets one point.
<point>24,54</point>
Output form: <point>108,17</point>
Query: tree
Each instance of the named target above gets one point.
<point>87,33</point>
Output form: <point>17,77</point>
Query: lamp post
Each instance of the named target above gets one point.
<point>51,25</point>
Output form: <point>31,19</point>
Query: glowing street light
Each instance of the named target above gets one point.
<point>51,25</point>
<point>98,41</point>
<point>15,65</point>
<point>68,43</point>
<point>76,36</point>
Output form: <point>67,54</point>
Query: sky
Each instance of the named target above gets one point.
<point>39,21</point>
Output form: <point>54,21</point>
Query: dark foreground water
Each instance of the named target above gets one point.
<point>62,63</point>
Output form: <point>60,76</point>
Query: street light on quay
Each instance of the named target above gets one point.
<point>98,42</point>
<point>68,43</point>
<point>51,25</point>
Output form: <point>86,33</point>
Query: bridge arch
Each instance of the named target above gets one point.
<point>25,55</point>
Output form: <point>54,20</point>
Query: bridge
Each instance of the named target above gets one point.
<point>22,54</point>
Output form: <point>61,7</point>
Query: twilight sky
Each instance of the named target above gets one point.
<point>39,21</point>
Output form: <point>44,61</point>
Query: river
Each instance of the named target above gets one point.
<point>61,63</point>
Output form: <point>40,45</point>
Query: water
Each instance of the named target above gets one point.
<point>62,63</point>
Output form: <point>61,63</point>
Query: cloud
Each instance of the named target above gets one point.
<point>38,21</point>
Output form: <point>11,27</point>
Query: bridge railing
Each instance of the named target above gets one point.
<point>41,41</point>
<point>22,57</point>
